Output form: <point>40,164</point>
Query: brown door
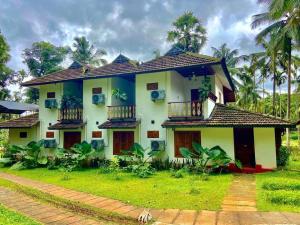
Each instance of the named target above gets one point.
<point>71,138</point>
<point>244,146</point>
<point>123,140</point>
<point>185,139</point>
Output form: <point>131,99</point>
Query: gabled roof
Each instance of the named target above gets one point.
<point>174,59</point>
<point>22,122</point>
<point>16,107</point>
<point>225,116</point>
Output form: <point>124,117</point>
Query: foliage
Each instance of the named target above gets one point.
<point>208,159</point>
<point>205,89</point>
<point>137,164</point>
<point>188,33</point>
<point>120,95</point>
<point>86,53</point>
<point>25,157</point>
<point>281,185</point>
<point>178,173</point>
<point>41,59</point>
<point>70,102</point>
<point>283,156</point>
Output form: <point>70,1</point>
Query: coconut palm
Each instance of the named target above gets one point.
<point>283,17</point>
<point>86,53</point>
<point>188,33</point>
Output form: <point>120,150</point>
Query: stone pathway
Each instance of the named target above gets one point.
<point>246,216</point>
<point>241,195</point>
<point>43,213</point>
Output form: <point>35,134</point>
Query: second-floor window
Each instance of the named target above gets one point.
<point>50,94</point>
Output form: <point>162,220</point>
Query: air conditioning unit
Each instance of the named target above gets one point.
<point>50,143</point>
<point>97,144</point>
<point>51,103</point>
<point>98,99</point>
<point>157,145</point>
<point>158,95</point>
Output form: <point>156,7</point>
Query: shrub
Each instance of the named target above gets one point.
<point>283,156</point>
<point>143,171</point>
<point>283,185</point>
<point>178,173</point>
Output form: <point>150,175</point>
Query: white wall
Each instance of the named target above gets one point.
<point>265,148</point>
<point>218,90</point>
<point>47,116</point>
<point>95,113</point>
<point>32,135</point>
<point>210,137</point>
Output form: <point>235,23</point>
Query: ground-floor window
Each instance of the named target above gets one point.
<point>185,139</point>
<point>71,138</point>
<point>122,140</point>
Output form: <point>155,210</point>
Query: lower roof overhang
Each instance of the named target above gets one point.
<point>208,123</point>
<point>124,124</point>
<point>67,125</point>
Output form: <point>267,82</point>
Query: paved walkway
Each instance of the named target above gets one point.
<point>43,213</point>
<point>171,216</point>
<point>241,195</point>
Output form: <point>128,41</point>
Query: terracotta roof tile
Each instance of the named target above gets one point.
<point>224,116</point>
<point>119,124</point>
<point>66,126</point>
<point>22,122</point>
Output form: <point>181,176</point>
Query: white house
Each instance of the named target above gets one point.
<point>162,109</point>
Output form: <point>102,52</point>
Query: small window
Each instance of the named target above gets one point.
<point>153,134</point>
<point>49,134</point>
<point>96,134</point>
<point>97,90</point>
<point>23,134</point>
<point>50,94</point>
<point>152,86</point>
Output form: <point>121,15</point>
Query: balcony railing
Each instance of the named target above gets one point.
<point>177,110</point>
<point>124,112</point>
<point>70,115</point>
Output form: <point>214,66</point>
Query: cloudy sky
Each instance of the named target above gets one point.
<point>133,27</point>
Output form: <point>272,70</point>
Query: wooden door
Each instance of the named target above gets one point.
<point>244,146</point>
<point>71,138</point>
<point>122,140</point>
<point>185,139</point>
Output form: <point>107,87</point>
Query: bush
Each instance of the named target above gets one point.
<point>283,156</point>
<point>283,185</point>
<point>284,198</point>
<point>178,173</point>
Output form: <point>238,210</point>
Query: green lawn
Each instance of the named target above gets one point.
<point>158,191</point>
<point>8,216</point>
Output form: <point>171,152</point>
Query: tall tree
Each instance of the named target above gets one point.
<point>86,53</point>
<point>283,17</point>
<point>188,33</point>
<point>7,75</point>
<point>41,59</point>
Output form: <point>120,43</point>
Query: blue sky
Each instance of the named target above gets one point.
<point>133,27</point>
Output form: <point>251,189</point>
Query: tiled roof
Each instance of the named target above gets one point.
<point>16,107</point>
<point>224,116</point>
<point>123,65</point>
<point>66,126</point>
<point>119,124</point>
<point>22,122</point>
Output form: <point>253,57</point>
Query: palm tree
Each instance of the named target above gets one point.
<point>283,17</point>
<point>189,34</point>
<point>86,53</point>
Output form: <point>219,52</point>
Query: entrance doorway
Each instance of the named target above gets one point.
<point>71,138</point>
<point>122,140</point>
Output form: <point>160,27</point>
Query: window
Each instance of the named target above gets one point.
<point>96,134</point>
<point>97,90</point>
<point>23,134</point>
<point>50,94</point>
<point>152,86</point>
<point>153,134</point>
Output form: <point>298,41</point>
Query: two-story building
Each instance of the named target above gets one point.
<point>157,105</point>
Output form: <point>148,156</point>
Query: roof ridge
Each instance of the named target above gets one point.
<point>254,113</point>
<point>203,56</point>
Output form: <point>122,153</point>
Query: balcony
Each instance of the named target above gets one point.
<point>185,110</point>
<point>121,112</point>
<point>70,115</point>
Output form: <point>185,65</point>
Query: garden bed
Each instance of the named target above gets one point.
<point>159,191</point>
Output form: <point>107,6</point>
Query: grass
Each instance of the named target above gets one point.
<point>8,216</point>
<point>109,218</point>
<point>158,191</point>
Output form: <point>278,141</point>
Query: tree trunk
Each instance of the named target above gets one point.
<point>288,112</point>
<point>280,109</point>
<point>274,92</point>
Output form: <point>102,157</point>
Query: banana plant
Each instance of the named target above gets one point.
<point>208,158</point>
